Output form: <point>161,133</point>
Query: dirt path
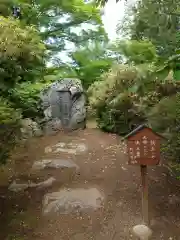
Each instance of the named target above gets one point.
<point>102,166</point>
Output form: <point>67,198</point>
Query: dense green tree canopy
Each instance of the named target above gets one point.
<point>103,2</point>
<point>157,21</point>
<point>59,21</point>
<point>22,53</point>
<point>90,62</point>
<point>136,52</point>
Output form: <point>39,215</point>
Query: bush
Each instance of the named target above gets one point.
<point>9,128</point>
<point>26,97</point>
<point>119,100</point>
<point>165,118</point>
<point>21,54</point>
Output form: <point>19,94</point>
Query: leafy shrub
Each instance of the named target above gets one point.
<point>9,128</point>
<point>26,97</point>
<point>119,99</point>
<point>137,52</point>
<point>129,96</point>
<point>165,118</point>
<point>21,53</point>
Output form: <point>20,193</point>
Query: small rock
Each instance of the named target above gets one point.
<point>123,168</point>
<point>30,128</point>
<point>48,150</point>
<point>17,187</point>
<point>47,183</point>
<point>142,231</point>
<point>39,165</point>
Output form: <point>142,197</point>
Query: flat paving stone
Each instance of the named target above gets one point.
<point>54,163</point>
<point>19,187</point>
<point>70,200</point>
<point>70,148</point>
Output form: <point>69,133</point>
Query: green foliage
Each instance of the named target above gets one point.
<point>6,7</point>
<point>21,54</point>
<point>127,94</point>
<point>115,99</point>
<point>157,21</point>
<point>9,128</point>
<point>102,2</point>
<point>7,113</point>
<point>72,22</point>
<point>90,62</point>
<point>136,52</point>
<point>63,71</point>
<point>58,21</point>
<point>26,97</point>
<point>163,115</point>
<point>131,95</point>
<point>174,169</point>
<point>165,118</point>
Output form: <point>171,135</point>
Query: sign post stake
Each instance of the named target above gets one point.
<point>144,181</point>
<point>143,148</point>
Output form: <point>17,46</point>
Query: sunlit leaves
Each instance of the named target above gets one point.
<point>136,52</point>
<point>156,21</point>
<point>90,62</point>
<point>21,52</point>
<point>103,2</point>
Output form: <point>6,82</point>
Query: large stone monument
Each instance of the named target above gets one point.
<point>64,105</point>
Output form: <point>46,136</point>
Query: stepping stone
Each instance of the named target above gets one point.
<point>54,163</point>
<point>71,148</point>
<point>70,200</point>
<point>47,183</point>
<point>19,187</point>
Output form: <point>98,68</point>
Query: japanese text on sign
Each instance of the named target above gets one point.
<point>143,146</point>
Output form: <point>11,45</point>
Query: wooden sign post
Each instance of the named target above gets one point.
<point>143,147</point>
<point>144,181</point>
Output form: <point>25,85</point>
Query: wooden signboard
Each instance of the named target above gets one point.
<point>143,147</point>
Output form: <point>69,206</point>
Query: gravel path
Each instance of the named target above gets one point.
<point>102,168</point>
